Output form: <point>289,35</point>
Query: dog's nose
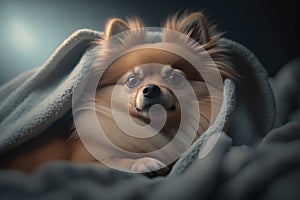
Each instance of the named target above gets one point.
<point>151,91</point>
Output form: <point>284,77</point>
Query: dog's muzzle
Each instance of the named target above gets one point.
<point>151,95</point>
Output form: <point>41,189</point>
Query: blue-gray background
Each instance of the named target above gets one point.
<point>31,30</point>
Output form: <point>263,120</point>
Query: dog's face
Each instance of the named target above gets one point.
<point>151,85</point>
<point>146,91</point>
<point>143,82</point>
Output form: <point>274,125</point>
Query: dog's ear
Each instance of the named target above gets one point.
<point>115,26</point>
<point>194,25</point>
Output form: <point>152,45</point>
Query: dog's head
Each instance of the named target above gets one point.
<point>146,79</point>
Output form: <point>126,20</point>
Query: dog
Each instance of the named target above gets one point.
<point>142,78</point>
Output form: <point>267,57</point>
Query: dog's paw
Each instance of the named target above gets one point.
<point>146,165</point>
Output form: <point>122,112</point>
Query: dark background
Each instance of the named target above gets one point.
<point>31,30</point>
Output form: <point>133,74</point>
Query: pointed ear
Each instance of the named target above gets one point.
<point>115,26</point>
<point>195,25</point>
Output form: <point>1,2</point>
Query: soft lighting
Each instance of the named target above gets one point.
<point>22,38</point>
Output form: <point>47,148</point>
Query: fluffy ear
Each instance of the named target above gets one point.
<point>115,26</point>
<point>194,25</point>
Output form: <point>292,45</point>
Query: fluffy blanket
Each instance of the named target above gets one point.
<point>244,159</point>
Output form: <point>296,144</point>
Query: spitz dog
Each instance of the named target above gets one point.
<point>142,79</point>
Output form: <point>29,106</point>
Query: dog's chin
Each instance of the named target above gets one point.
<point>155,108</point>
<point>156,112</point>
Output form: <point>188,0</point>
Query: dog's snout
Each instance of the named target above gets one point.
<point>151,91</point>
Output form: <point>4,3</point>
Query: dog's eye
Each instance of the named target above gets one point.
<point>132,81</point>
<point>174,79</point>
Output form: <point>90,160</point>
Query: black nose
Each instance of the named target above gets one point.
<point>151,91</point>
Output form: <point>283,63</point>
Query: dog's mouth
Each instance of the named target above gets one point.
<point>147,107</point>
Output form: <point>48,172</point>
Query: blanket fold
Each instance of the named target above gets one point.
<point>255,113</point>
<point>36,99</point>
<point>269,172</point>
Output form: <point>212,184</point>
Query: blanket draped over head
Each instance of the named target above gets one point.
<point>245,158</point>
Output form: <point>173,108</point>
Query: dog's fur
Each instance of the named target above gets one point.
<point>61,141</point>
